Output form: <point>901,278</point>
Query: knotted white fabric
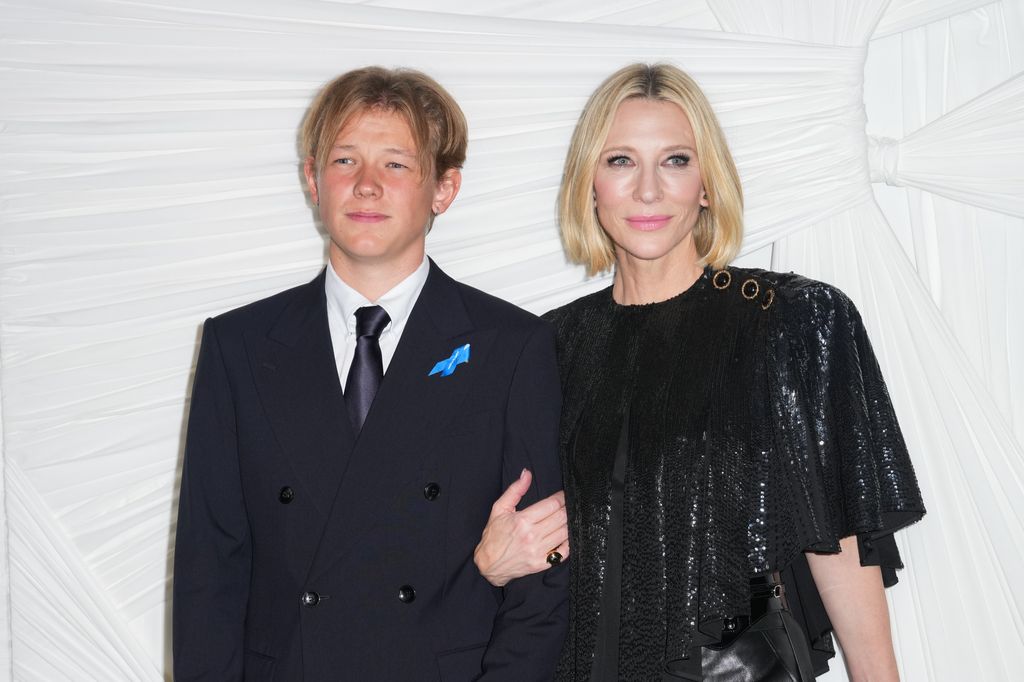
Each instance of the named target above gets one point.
<point>884,159</point>
<point>973,154</point>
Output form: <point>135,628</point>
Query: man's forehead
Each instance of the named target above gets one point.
<point>377,125</point>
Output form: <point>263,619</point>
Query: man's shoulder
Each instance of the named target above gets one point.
<point>488,310</point>
<point>501,311</point>
<point>262,313</point>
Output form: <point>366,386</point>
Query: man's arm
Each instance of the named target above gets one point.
<point>531,623</point>
<point>212,551</point>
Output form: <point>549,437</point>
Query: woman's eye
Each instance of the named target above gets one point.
<point>678,160</point>
<point>619,160</point>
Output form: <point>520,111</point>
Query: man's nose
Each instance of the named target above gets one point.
<point>367,184</point>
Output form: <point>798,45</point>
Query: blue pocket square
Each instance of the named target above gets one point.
<point>447,366</point>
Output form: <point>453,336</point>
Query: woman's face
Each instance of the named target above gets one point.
<point>647,188</point>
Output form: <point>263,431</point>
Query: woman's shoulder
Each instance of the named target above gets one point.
<point>790,296</point>
<point>790,286</point>
<point>581,307</point>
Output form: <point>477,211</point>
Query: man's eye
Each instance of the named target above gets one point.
<point>344,161</point>
<point>395,164</point>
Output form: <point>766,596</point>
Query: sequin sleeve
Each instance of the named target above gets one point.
<point>837,432</point>
<point>835,424</point>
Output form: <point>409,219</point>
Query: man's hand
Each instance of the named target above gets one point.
<point>517,543</point>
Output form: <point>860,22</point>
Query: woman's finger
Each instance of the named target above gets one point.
<point>506,504</point>
<point>542,509</point>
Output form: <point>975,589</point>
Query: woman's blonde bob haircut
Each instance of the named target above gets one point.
<point>719,230</point>
<point>437,123</point>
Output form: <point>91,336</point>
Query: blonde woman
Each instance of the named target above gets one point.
<point>733,468</point>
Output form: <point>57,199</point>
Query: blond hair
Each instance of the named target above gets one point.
<point>719,230</point>
<point>437,123</point>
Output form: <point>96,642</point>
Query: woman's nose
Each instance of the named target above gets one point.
<point>648,187</point>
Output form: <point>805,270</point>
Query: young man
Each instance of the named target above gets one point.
<point>347,437</point>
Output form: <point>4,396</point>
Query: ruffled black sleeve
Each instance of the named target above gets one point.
<point>838,434</point>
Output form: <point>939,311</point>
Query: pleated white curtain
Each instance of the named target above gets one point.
<point>150,179</point>
<point>966,255</point>
<point>902,15</point>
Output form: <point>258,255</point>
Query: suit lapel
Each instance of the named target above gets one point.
<point>409,401</point>
<point>297,380</point>
<point>408,413</point>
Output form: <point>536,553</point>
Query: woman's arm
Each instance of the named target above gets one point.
<point>854,598</point>
<point>517,543</point>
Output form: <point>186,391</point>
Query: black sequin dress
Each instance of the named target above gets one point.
<point>751,423</point>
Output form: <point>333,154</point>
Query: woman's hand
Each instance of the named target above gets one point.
<point>517,543</point>
<point>854,599</point>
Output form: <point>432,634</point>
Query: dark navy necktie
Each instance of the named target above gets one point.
<point>367,368</point>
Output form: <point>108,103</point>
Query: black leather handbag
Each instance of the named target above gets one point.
<point>772,648</point>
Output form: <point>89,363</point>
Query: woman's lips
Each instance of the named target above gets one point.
<point>366,216</point>
<point>647,223</point>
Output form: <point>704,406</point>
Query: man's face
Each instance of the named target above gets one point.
<point>375,200</point>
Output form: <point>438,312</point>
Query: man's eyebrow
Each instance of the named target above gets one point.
<point>389,150</point>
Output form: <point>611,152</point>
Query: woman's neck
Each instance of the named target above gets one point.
<point>639,281</point>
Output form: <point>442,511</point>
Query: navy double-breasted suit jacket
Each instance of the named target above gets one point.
<point>304,552</point>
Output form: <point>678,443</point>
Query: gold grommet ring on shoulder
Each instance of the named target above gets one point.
<point>750,289</point>
<point>769,298</point>
<point>721,279</point>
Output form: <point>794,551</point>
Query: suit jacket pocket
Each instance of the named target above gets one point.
<point>258,667</point>
<point>461,665</point>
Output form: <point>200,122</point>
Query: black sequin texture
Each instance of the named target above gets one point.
<point>755,432</point>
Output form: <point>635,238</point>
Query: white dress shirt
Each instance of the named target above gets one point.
<point>343,301</point>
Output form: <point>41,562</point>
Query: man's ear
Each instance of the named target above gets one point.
<point>447,188</point>
<point>309,169</point>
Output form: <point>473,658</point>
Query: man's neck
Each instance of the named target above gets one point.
<point>374,279</point>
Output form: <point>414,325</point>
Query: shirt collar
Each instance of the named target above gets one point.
<point>397,302</point>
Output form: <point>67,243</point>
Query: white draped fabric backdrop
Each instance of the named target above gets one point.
<point>149,178</point>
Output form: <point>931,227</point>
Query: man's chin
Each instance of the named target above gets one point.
<point>375,255</point>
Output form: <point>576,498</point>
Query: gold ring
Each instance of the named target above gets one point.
<point>554,557</point>
<point>721,279</point>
